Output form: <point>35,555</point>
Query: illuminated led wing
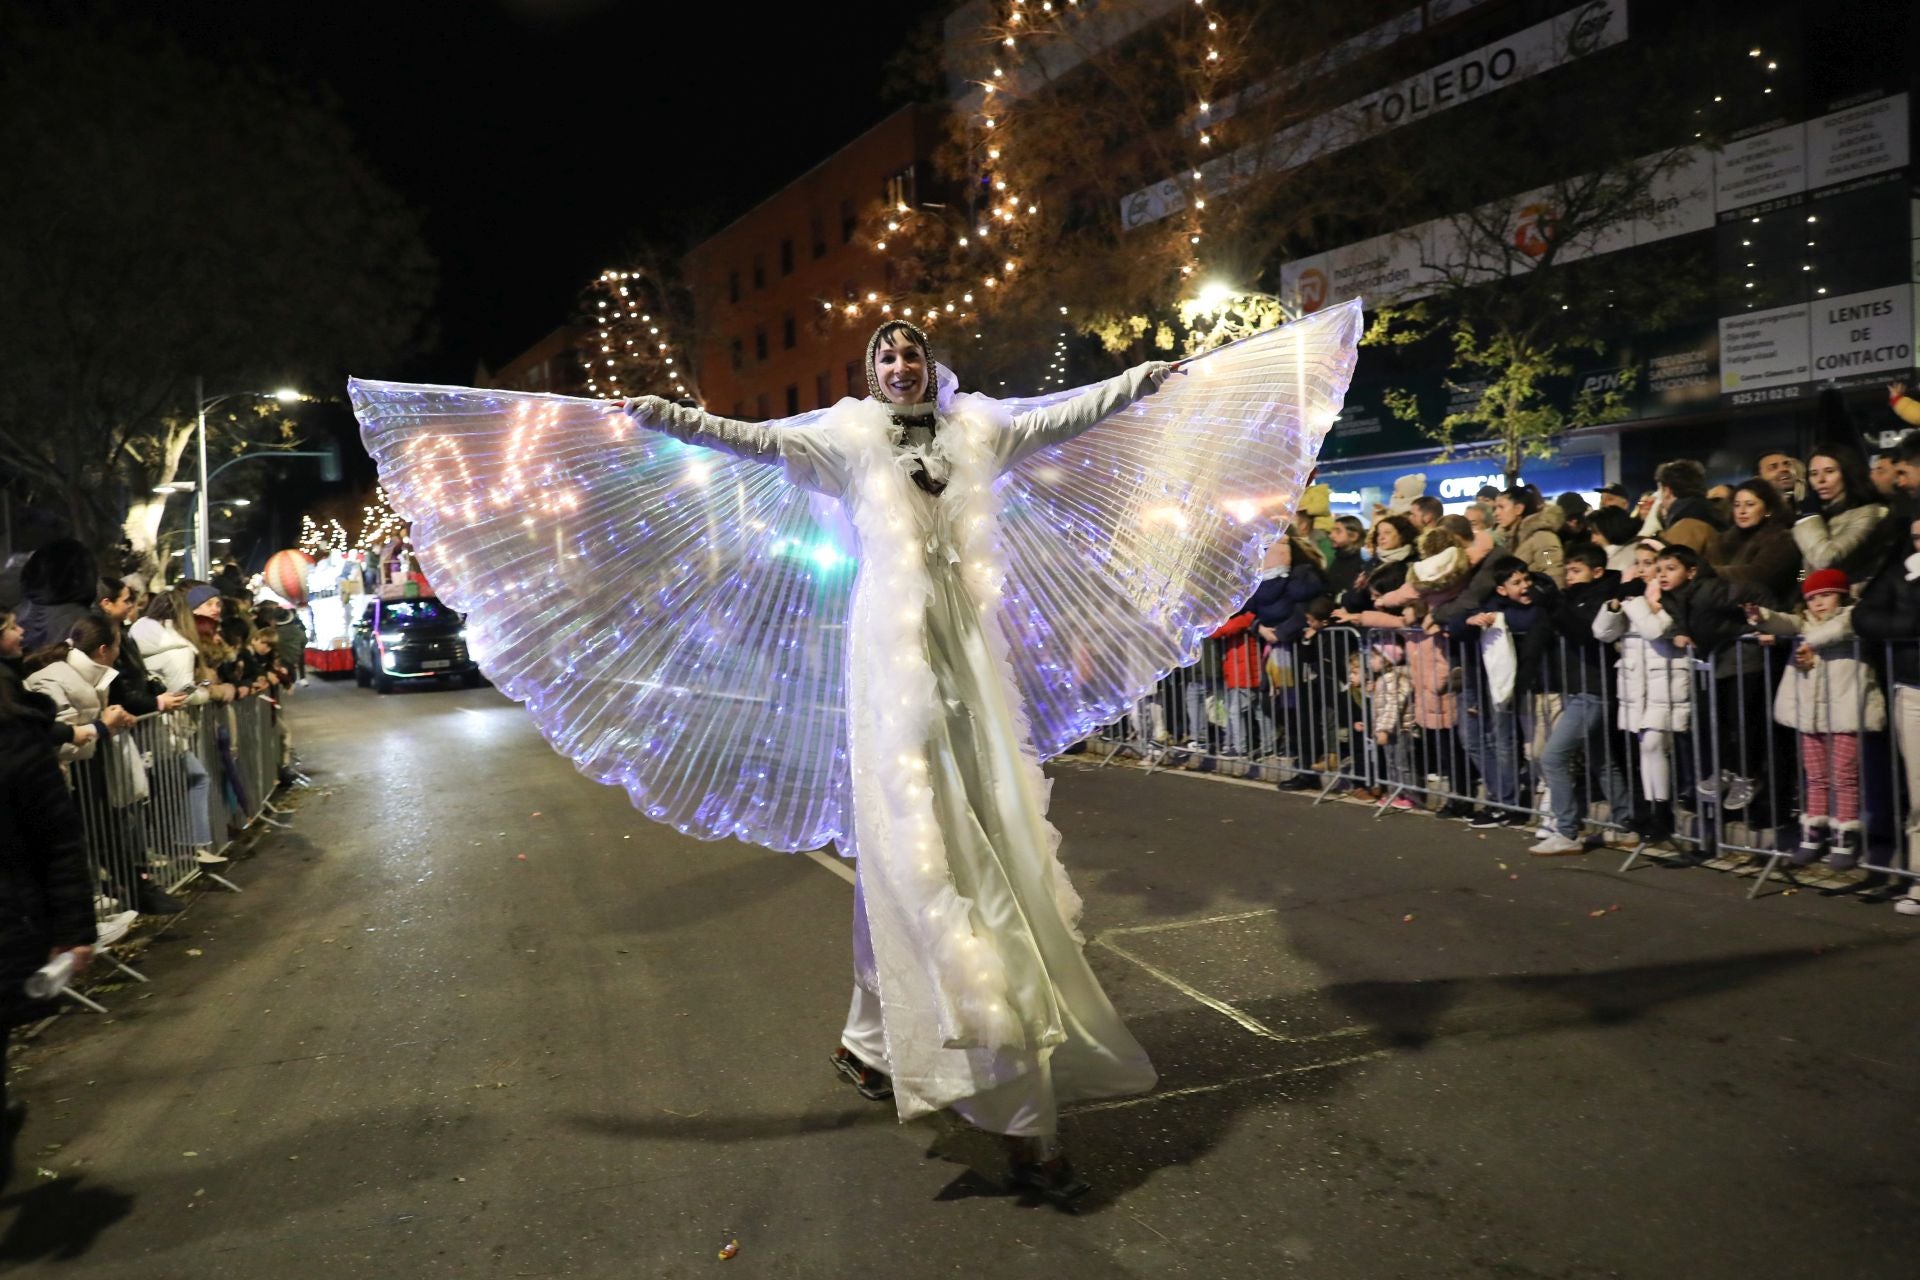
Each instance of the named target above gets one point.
<point>1128,544</point>
<point>673,618</point>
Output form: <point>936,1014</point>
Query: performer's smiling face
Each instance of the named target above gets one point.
<point>900,367</point>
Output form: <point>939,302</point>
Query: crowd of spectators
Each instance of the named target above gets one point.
<point>97,672</point>
<point>1748,649</point>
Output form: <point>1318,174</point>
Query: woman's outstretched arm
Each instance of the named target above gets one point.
<point>754,441</point>
<point>1051,424</point>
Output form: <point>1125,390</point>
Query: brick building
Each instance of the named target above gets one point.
<point>765,346</point>
<point>548,365</point>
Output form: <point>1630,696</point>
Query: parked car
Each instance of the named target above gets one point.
<point>410,639</point>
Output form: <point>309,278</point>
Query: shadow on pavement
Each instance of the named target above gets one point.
<point>59,1221</point>
<point>1213,1073</point>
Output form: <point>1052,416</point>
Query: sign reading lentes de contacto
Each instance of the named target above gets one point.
<point>1862,333</point>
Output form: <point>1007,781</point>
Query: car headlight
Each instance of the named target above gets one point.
<point>391,638</point>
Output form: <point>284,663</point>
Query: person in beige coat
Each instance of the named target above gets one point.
<point>1533,527</point>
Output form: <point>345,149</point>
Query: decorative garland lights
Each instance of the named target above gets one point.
<point>971,257</point>
<point>379,526</point>
<point>630,350</point>
<point>320,543</point>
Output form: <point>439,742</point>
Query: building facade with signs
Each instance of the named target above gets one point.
<point>767,287</point>
<point>1804,220</point>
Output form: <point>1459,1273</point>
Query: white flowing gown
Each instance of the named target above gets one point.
<point>769,631</point>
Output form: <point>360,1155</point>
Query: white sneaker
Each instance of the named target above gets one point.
<point>208,858</point>
<point>1554,844</point>
<point>104,906</point>
<point>114,928</point>
<point>1908,906</point>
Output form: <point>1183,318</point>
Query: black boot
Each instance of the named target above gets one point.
<point>873,1085</point>
<point>1038,1168</point>
<point>152,900</point>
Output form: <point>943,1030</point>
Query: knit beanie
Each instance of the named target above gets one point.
<point>1824,580</point>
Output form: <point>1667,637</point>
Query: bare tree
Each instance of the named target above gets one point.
<point>163,217</point>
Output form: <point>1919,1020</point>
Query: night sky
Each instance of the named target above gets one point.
<point>542,136</point>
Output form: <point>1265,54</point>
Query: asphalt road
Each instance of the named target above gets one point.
<point>474,1016</point>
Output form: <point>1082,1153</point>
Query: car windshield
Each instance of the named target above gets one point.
<point>417,613</point>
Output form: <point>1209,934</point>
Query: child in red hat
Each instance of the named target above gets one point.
<point>1830,695</point>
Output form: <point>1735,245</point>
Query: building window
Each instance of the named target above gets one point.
<point>856,385</point>
<point>823,389</point>
<point>793,401</point>
<point>733,286</point>
<point>900,189</point>
<point>759,272</point>
<point>786,257</point>
<point>761,409</point>
<point>759,344</point>
<point>849,221</point>
<point>786,332</point>
<point>817,227</point>
<point>738,350</point>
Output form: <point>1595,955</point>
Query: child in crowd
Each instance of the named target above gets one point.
<point>1388,727</point>
<point>1652,694</point>
<point>1828,695</point>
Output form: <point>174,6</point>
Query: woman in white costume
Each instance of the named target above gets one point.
<point>1025,569</point>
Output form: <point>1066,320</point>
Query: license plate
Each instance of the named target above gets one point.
<point>436,664</point>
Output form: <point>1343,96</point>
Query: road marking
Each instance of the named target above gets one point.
<point>838,866</point>
<point>1225,1084</point>
<point>1188,924</point>
<point>1245,1020</point>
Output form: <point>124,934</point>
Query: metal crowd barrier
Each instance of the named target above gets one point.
<point>1405,719</point>
<point>178,782</point>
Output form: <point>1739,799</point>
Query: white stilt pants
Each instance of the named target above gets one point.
<point>1023,1107</point>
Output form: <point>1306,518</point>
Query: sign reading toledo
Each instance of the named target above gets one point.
<point>1576,33</point>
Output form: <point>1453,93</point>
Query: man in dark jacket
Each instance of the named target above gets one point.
<point>132,688</point>
<point>1577,670</point>
<point>46,895</point>
<point>1348,536</point>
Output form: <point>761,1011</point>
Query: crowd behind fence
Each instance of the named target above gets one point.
<point>178,783</point>
<point>1788,753</point>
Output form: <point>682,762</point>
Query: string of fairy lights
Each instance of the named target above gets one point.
<point>630,334</point>
<point>629,347</point>
<point>379,526</point>
<point>991,242</point>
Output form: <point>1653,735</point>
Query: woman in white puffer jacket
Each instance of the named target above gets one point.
<point>1652,692</point>
<point>167,643</point>
<point>75,674</point>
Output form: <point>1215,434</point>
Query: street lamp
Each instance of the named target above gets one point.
<point>285,395</point>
